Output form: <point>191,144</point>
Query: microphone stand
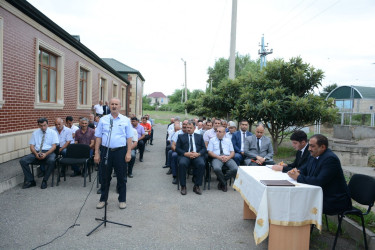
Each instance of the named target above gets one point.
<point>105,165</point>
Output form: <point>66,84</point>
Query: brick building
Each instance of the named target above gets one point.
<point>45,72</point>
<point>136,85</point>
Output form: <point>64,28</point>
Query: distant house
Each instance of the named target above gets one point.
<point>134,90</point>
<point>159,98</point>
<point>356,99</point>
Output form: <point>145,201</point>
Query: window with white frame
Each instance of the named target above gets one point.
<point>114,90</point>
<point>103,89</point>
<point>49,83</point>
<point>123,97</point>
<point>84,87</point>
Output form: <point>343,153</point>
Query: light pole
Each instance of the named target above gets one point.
<point>185,86</point>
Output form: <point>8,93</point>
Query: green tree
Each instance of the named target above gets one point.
<point>220,71</point>
<point>176,96</point>
<point>327,90</point>
<point>281,96</point>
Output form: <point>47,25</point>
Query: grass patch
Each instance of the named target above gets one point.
<point>285,154</point>
<point>164,117</point>
<point>369,219</point>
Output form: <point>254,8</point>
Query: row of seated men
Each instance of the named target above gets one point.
<point>224,147</point>
<point>315,163</point>
<point>48,142</point>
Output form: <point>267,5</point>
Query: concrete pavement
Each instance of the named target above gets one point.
<point>160,216</point>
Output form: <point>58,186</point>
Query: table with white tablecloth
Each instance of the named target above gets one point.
<point>285,209</point>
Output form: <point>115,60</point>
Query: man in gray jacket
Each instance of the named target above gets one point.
<point>258,148</point>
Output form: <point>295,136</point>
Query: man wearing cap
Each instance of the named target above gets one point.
<point>231,129</point>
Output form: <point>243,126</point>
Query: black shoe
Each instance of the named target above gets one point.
<point>219,186</point>
<point>99,191</point>
<point>75,173</point>
<point>28,184</point>
<point>169,172</point>
<point>174,180</point>
<point>151,143</point>
<point>141,159</point>
<point>41,174</point>
<point>44,184</point>
<point>130,175</point>
<point>165,166</point>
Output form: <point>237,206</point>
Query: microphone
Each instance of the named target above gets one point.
<point>111,122</point>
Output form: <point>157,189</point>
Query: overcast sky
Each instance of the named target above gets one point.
<point>152,36</point>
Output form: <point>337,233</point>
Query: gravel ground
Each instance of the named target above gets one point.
<point>161,218</point>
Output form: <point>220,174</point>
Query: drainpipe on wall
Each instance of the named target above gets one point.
<point>136,95</point>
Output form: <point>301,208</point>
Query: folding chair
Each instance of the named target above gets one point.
<point>362,190</point>
<point>77,154</point>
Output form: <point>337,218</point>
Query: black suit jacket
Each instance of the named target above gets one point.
<point>299,161</point>
<point>106,110</point>
<point>329,176</point>
<point>182,145</point>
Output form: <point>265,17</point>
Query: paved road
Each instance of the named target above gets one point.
<point>160,216</point>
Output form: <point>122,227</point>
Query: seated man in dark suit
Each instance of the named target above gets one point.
<point>324,169</point>
<point>238,141</point>
<point>299,143</point>
<point>258,148</point>
<point>191,149</point>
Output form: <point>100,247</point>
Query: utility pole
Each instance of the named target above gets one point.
<point>182,93</point>
<point>263,52</point>
<point>232,56</point>
<point>185,86</point>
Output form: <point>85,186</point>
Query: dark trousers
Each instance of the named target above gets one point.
<point>198,169</point>
<point>49,161</point>
<point>116,161</point>
<point>131,163</point>
<point>167,148</point>
<point>141,148</point>
<point>172,162</point>
<point>238,158</point>
<point>152,135</point>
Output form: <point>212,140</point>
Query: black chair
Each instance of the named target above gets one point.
<point>77,154</point>
<point>362,190</point>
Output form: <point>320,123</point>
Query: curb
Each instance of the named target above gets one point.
<point>355,231</point>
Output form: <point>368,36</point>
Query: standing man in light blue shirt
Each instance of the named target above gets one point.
<point>42,146</point>
<point>114,135</point>
<point>222,152</point>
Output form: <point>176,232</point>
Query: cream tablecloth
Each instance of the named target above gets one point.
<point>286,206</point>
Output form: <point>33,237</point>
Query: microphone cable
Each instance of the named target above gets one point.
<point>74,224</point>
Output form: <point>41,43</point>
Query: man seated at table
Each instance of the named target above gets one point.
<point>299,143</point>
<point>324,169</point>
<point>42,146</point>
<point>191,149</point>
<point>258,148</point>
<point>222,152</point>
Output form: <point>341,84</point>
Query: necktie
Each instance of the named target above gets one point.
<point>221,147</point>
<point>258,145</point>
<point>243,137</point>
<point>41,144</point>
<point>191,143</point>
